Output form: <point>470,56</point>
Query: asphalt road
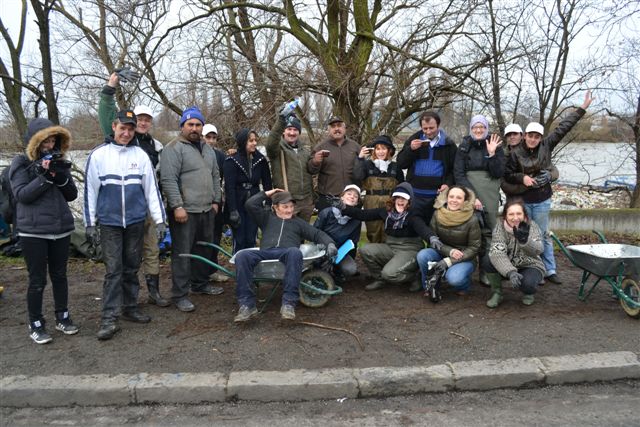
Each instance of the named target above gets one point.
<point>612,404</point>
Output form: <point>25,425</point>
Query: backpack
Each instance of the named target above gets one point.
<point>7,202</point>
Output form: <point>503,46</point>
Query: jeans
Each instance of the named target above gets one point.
<point>122,254</point>
<point>248,259</point>
<point>186,272</point>
<point>458,275</point>
<point>40,254</point>
<point>539,213</point>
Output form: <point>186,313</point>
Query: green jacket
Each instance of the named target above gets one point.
<point>299,180</point>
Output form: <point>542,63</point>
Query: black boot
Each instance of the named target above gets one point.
<point>153,283</point>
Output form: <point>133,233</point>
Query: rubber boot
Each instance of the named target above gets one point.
<point>495,280</point>
<point>153,283</point>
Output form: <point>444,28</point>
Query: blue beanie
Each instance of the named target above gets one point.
<point>479,119</point>
<point>191,113</point>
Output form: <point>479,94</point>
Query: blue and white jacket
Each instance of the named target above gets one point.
<point>120,187</point>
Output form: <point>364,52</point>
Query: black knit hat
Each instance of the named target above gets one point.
<point>383,140</point>
<point>293,121</point>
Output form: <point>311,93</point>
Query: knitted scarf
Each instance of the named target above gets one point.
<point>396,219</point>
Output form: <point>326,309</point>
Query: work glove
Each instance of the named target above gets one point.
<point>91,234</point>
<point>332,250</point>
<point>522,232</point>
<point>435,243</point>
<point>234,219</point>
<point>543,178</point>
<point>516,279</point>
<point>441,267</point>
<point>161,231</point>
<point>128,75</point>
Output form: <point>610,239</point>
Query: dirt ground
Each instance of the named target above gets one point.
<point>395,328</point>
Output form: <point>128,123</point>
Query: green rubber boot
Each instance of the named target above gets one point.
<point>495,280</point>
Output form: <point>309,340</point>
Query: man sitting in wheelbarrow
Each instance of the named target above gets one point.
<point>282,234</point>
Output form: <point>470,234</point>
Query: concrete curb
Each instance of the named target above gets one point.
<point>299,384</point>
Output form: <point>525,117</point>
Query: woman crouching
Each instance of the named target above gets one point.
<point>515,254</point>
<point>455,249</point>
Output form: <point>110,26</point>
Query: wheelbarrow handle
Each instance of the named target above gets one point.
<point>214,246</point>
<point>211,263</point>
<point>563,248</point>
<point>600,236</point>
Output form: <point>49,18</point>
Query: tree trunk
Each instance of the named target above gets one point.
<point>42,14</point>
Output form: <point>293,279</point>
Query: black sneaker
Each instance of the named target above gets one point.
<point>38,333</point>
<point>554,279</point>
<point>135,316</point>
<point>207,289</point>
<point>107,331</point>
<point>65,325</point>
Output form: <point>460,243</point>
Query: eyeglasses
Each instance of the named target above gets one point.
<point>478,127</point>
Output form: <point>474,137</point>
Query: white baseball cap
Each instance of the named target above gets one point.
<point>352,187</point>
<point>535,127</point>
<point>512,128</point>
<point>208,128</point>
<point>143,109</point>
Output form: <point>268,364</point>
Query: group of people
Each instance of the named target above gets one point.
<point>134,186</point>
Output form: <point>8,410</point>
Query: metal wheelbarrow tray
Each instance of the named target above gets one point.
<point>316,285</point>
<point>607,259</point>
<point>617,264</point>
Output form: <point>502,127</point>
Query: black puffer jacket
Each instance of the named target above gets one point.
<point>41,204</point>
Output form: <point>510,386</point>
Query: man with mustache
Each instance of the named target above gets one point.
<point>332,160</point>
<point>191,183</point>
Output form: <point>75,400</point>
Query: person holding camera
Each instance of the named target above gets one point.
<point>515,254</point>
<point>42,185</point>
<point>379,175</point>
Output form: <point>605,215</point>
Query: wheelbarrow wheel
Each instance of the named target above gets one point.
<point>318,279</point>
<point>631,289</point>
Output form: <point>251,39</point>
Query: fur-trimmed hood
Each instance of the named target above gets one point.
<point>468,205</point>
<point>40,129</point>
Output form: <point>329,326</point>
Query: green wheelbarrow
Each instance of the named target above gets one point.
<point>316,285</point>
<point>619,265</point>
